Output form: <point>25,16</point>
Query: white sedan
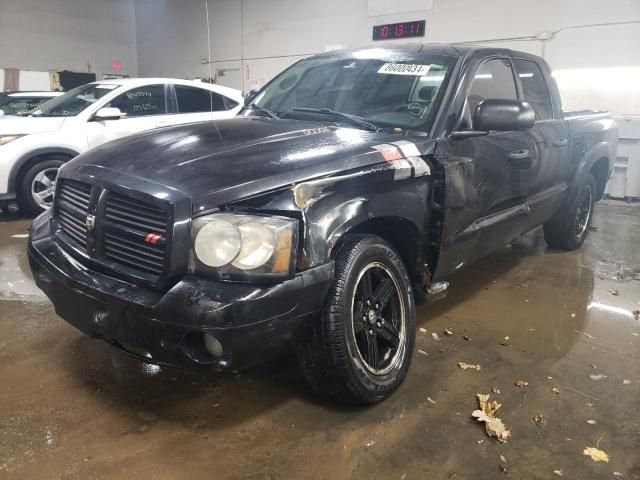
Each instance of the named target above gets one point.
<point>34,146</point>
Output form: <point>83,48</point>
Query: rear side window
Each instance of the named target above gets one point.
<point>535,88</point>
<point>194,100</point>
<point>141,101</point>
<point>20,104</point>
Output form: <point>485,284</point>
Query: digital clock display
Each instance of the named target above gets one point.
<point>391,31</point>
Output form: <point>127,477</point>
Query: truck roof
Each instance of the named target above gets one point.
<point>452,50</point>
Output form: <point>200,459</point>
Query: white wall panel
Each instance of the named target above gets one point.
<point>377,8</point>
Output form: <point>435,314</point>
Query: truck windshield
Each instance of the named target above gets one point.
<point>388,93</point>
<point>74,101</point>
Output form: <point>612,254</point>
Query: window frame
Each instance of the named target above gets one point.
<point>487,59</point>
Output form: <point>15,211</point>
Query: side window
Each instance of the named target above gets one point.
<point>492,79</point>
<point>535,88</point>
<point>141,101</point>
<point>194,100</point>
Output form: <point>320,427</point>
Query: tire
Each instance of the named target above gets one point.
<point>40,177</point>
<point>344,358</point>
<point>568,229</point>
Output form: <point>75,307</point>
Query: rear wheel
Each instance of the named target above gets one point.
<point>37,186</point>
<point>568,228</point>
<point>361,348</point>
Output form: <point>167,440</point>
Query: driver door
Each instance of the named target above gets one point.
<point>487,177</point>
<point>144,108</point>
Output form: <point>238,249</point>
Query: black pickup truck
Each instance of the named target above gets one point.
<point>321,215</point>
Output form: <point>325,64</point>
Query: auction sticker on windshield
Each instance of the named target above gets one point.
<point>404,69</point>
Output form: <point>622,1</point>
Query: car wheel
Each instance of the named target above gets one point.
<point>360,350</point>
<point>35,194</point>
<point>568,229</point>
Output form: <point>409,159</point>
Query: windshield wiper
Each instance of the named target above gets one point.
<point>271,113</point>
<point>353,119</point>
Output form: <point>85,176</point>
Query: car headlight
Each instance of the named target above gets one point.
<point>239,246</point>
<point>4,139</point>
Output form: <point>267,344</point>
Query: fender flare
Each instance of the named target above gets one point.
<point>22,161</point>
<point>588,160</point>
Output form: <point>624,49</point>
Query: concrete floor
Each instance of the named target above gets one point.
<point>71,407</point>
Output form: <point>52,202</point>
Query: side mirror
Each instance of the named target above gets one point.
<point>503,115</point>
<point>250,95</point>
<point>108,113</point>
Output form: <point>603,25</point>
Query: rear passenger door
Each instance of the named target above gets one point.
<point>550,169</point>
<point>198,104</point>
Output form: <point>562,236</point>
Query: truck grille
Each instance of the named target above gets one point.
<point>130,235</point>
<point>128,223</point>
<point>72,201</point>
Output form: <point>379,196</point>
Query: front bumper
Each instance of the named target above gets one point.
<point>251,322</point>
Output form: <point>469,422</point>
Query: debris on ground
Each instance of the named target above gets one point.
<point>594,366</point>
<point>596,455</point>
<point>555,391</point>
<point>492,425</point>
<point>423,330</point>
<point>636,314</point>
<point>503,464</point>
<point>468,366</point>
<point>626,381</point>
<point>589,404</point>
<point>615,292</point>
<point>598,376</point>
<point>448,332</point>
<point>370,443</point>
<point>431,401</point>
<point>468,339</point>
<point>479,441</point>
<point>573,315</point>
<point>592,422</point>
<point>559,472</point>
<point>521,384</point>
<point>496,390</point>
<point>435,336</point>
<point>539,420</point>
<point>584,334</point>
<point>422,352</point>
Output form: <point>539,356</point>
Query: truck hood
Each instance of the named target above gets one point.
<point>242,157</point>
<point>16,125</point>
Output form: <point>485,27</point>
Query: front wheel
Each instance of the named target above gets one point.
<point>361,348</point>
<point>568,228</point>
<point>36,189</point>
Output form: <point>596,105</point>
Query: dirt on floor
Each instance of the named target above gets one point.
<point>553,332</point>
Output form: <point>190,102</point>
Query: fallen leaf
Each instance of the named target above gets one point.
<point>555,391</point>
<point>479,441</point>
<point>492,425</point>
<point>448,332</point>
<point>496,390</point>
<point>559,472</point>
<point>503,459</point>
<point>540,420</point>
<point>626,381</point>
<point>597,377</point>
<point>521,384</point>
<point>596,455</point>
<point>615,292</point>
<point>435,336</point>
<point>431,401</point>
<point>422,352</point>
<point>589,404</point>
<point>592,422</point>
<point>468,366</point>
<point>594,366</point>
<point>423,330</point>
<point>503,464</point>
<point>506,339</point>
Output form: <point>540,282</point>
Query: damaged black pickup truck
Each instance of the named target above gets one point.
<point>320,216</point>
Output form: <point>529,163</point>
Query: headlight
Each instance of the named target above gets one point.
<point>4,139</point>
<point>243,246</point>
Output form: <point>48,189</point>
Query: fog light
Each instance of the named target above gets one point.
<point>213,345</point>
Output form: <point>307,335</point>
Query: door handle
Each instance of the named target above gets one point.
<point>519,155</point>
<point>561,142</point>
